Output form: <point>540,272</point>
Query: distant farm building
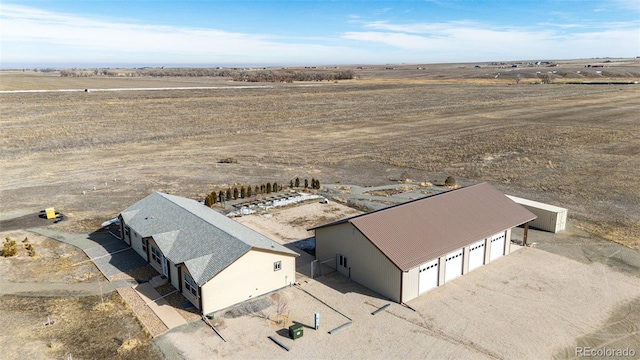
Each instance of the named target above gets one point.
<point>406,250</point>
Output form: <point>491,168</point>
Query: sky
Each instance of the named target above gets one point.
<point>136,33</point>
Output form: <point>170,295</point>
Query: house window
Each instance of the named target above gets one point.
<point>343,261</point>
<point>155,254</point>
<point>190,285</point>
<point>127,231</point>
<point>277,265</point>
<point>144,244</point>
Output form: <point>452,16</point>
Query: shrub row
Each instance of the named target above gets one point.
<point>248,191</point>
<point>281,75</point>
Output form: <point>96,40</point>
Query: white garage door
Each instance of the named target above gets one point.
<point>497,246</point>
<point>428,276</point>
<point>476,255</point>
<point>453,265</point>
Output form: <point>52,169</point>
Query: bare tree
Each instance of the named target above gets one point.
<point>281,305</point>
<point>545,78</point>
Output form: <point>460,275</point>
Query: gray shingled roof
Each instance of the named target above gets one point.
<point>414,232</point>
<point>190,233</point>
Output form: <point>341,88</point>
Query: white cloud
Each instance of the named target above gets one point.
<point>418,28</point>
<point>466,39</point>
<point>627,4</point>
<point>29,36</point>
<point>26,24</point>
<point>88,40</point>
<point>561,26</point>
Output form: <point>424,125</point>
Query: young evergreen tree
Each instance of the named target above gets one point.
<point>229,194</point>
<point>313,183</point>
<point>275,187</point>
<point>297,182</point>
<point>235,193</point>
<point>450,181</point>
<point>207,201</point>
<point>291,184</point>
<point>268,189</point>
<point>221,196</point>
<point>257,190</point>
<point>243,192</point>
<point>318,184</point>
<point>248,190</point>
<point>214,197</point>
<point>306,183</point>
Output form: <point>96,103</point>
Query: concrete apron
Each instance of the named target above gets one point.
<point>161,307</point>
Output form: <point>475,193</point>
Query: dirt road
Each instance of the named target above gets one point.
<point>62,289</point>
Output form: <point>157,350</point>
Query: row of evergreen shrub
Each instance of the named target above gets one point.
<point>248,191</point>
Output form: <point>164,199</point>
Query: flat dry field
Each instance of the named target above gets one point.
<point>92,154</point>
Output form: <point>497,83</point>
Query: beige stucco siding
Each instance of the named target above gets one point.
<point>251,275</point>
<point>366,265</point>
<point>156,265</point>
<point>173,275</point>
<point>136,244</point>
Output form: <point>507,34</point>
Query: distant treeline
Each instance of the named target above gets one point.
<point>280,75</point>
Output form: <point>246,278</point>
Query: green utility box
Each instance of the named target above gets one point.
<point>295,331</point>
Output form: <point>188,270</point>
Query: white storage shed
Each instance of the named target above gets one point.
<point>550,218</point>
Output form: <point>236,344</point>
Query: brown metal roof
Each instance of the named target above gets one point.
<point>412,233</point>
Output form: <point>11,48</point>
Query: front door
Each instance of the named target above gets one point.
<point>164,266</point>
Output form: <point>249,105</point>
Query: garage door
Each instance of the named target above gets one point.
<point>428,276</point>
<point>476,255</point>
<point>453,265</point>
<point>497,246</point>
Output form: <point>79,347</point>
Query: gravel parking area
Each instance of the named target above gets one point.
<point>528,305</point>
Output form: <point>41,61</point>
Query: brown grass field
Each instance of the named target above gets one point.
<point>575,146</point>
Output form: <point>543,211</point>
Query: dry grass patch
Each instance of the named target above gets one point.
<point>40,259</point>
<point>77,329</point>
<point>128,346</point>
<point>390,192</point>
